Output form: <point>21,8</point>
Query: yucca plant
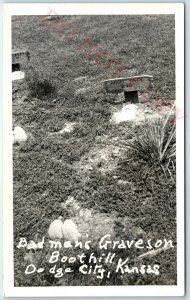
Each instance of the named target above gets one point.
<point>153,143</point>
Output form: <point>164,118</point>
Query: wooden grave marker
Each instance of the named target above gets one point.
<point>19,57</point>
<point>130,86</point>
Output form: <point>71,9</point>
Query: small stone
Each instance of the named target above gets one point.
<point>123,182</point>
<point>24,99</point>
<point>148,111</point>
<point>69,127</point>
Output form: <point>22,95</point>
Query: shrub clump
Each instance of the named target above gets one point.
<point>40,85</point>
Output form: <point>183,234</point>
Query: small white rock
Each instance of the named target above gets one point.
<point>67,128</point>
<point>17,75</point>
<point>128,112</point>
<point>19,135</point>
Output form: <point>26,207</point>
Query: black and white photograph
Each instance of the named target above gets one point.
<point>95,197</point>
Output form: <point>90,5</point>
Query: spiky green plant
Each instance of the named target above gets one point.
<point>153,143</point>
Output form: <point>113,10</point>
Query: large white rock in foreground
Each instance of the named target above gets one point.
<point>70,231</point>
<point>67,230</point>
<point>55,230</point>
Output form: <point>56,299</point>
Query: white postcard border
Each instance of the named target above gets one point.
<point>79,9</point>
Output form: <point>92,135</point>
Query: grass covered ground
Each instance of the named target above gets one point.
<point>76,54</point>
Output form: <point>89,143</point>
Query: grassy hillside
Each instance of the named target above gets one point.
<point>144,44</point>
<point>77,53</point>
